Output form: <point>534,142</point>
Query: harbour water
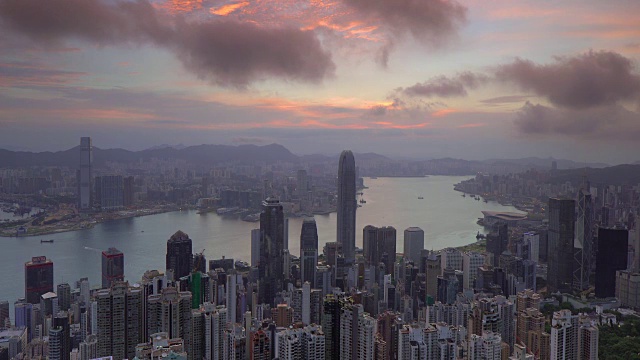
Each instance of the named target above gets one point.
<point>447,218</point>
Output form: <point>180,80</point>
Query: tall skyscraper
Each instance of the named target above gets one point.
<point>119,320</point>
<point>413,244</point>
<point>112,267</point>
<point>61,321</point>
<point>347,206</point>
<point>561,233</point>
<point>498,241</point>
<point>63,291</point>
<point>379,246</point>
<point>179,255</point>
<point>583,242</point>
<point>271,266</point>
<point>84,178</point>
<point>612,256</point>
<point>38,278</point>
<point>308,251</point>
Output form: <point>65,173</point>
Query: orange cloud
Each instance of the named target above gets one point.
<point>228,8</point>
<point>444,112</point>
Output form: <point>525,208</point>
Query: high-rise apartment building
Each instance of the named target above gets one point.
<point>112,267</point>
<point>119,320</point>
<point>179,255</point>
<point>84,174</point>
<point>561,238</point>
<point>331,315</point>
<point>308,251</point>
<point>564,336</point>
<point>215,323</point>
<point>413,244</point>
<point>379,246</point>
<point>170,312</point>
<point>583,242</point>
<point>271,267</point>
<point>612,256</point>
<point>347,205</point>
<point>357,333</point>
<point>38,278</point>
<point>301,343</point>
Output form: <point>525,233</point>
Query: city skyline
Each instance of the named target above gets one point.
<point>462,79</point>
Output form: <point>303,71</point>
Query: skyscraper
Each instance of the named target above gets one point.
<point>413,244</point>
<point>583,242</point>
<point>38,278</point>
<point>564,335</point>
<point>64,296</point>
<point>612,256</point>
<point>84,178</point>
<point>308,251</point>
<point>561,233</point>
<point>110,192</point>
<point>112,267</point>
<point>271,266</point>
<point>347,205</point>
<point>179,255</point>
<point>379,246</point>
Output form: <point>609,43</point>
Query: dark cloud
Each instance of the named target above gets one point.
<point>606,122</point>
<point>592,79</point>
<point>229,53</point>
<point>443,86</point>
<point>428,20</point>
<point>233,53</point>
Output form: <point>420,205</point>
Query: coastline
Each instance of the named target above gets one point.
<point>85,225</point>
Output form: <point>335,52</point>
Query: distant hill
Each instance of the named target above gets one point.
<point>201,154</point>
<point>619,174</point>
<point>536,162</point>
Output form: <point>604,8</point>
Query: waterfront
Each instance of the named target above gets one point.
<point>447,218</point>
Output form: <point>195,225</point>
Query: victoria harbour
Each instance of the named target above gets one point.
<point>447,218</point>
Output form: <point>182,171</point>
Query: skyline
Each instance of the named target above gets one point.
<point>474,81</point>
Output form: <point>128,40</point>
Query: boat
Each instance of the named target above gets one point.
<point>46,241</point>
<point>464,195</point>
<point>363,201</point>
<point>420,198</point>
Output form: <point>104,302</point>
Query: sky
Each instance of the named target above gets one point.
<point>472,79</point>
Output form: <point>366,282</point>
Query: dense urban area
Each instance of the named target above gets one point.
<point>558,280</point>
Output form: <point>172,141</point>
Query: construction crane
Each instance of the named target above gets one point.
<point>196,264</point>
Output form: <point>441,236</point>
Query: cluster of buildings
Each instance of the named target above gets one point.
<point>343,303</point>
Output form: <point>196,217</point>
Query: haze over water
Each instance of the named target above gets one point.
<point>447,218</point>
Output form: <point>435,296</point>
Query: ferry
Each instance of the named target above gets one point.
<point>46,241</point>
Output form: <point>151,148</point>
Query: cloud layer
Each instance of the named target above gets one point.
<point>443,86</point>
<point>225,52</point>
<point>429,20</point>
<point>592,79</point>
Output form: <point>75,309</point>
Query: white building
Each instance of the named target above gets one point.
<point>471,261</point>
<point>564,336</point>
<point>451,258</point>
